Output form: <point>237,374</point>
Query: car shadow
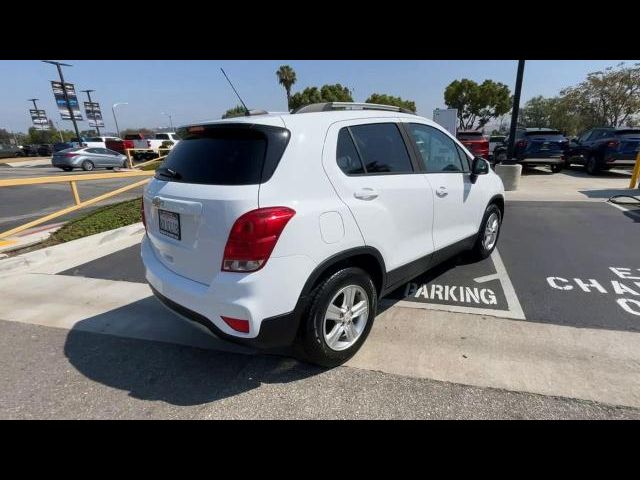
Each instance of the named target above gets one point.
<point>193,373</point>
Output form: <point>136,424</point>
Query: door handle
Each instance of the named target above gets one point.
<point>442,192</point>
<point>366,194</point>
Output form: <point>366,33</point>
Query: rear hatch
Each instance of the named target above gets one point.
<point>545,144</point>
<point>629,141</point>
<point>208,180</point>
<point>476,142</point>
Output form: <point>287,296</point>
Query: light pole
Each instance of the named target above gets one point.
<point>34,102</point>
<point>66,97</point>
<point>515,109</point>
<point>170,120</point>
<point>88,92</point>
<point>60,132</point>
<point>113,109</point>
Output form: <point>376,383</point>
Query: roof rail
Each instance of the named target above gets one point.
<point>332,106</point>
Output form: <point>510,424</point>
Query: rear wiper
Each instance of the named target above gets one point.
<point>167,172</point>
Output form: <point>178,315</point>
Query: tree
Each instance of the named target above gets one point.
<point>5,136</point>
<point>286,77</point>
<point>554,112</point>
<point>383,99</point>
<point>607,98</point>
<point>237,111</point>
<point>52,135</point>
<point>476,102</point>
<point>327,93</point>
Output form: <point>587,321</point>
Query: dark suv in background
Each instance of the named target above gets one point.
<point>604,148</point>
<point>536,146</point>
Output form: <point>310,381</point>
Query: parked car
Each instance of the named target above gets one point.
<point>163,138</point>
<point>88,159</point>
<point>10,151</point>
<point>475,141</point>
<point>605,148</point>
<point>30,150</point>
<point>132,141</point>
<point>275,229</point>
<point>62,146</point>
<point>536,146</point>
<point>45,150</point>
<point>495,141</point>
<point>98,142</point>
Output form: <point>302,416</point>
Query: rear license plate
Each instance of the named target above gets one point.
<point>545,146</point>
<point>169,223</point>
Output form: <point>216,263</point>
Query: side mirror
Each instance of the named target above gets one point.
<point>479,166</point>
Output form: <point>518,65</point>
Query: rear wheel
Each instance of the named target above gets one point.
<point>339,318</point>
<point>87,165</point>
<point>556,168</point>
<point>487,238</point>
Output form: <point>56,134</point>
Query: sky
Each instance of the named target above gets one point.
<point>195,90</point>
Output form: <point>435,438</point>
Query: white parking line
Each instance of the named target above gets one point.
<point>514,310</point>
<point>620,207</point>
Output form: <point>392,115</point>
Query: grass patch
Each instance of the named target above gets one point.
<point>151,166</point>
<point>100,220</point>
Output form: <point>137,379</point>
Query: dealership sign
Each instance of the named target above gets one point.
<point>58,93</point>
<point>39,119</point>
<point>94,115</point>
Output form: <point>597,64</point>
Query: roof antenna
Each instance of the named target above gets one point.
<point>236,92</point>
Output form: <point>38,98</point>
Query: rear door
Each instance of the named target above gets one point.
<point>373,172</point>
<point>208,180</point>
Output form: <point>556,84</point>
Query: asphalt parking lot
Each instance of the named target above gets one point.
<point>547,327</point>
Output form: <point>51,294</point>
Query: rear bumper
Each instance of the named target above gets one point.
<point>267,298</point>
<point>622,161</point>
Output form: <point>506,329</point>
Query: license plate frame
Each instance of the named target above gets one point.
<point>167,222</point>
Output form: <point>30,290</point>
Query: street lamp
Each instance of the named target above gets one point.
<point>170,120</point>
<point>64,91</point>
<point>113,109</point>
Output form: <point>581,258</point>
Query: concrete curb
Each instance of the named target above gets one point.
<point>75,249</point>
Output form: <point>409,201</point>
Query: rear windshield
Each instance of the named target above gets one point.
<point>470,135</point>
<point>632,132</point>
<point>162,136</point>
<point>549,133</point>
<point>225,155</point>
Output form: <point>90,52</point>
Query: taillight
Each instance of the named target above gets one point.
<point>70,154</point>
<point>613,144</point>
<point>144,218</point>
<point>237,324</point>
<point>253,238</point>
<point>521,143</point>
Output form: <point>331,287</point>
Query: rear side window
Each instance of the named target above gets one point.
<point>347,155</point>
<point>162,136</point>
<point>229,155</point>
<point>381,148</point>
<point>628,133</point>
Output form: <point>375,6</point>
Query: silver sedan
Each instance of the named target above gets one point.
<point>88,158</point>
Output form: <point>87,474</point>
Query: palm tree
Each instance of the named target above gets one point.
<point>286,77</point>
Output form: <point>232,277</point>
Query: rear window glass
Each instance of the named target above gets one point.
<point>244,155</point>
<point>470,135</point>
<point>628,133</point>
<point>162,136</point>
<point>347,155</point>
<point>382,148</point>
<point>543,134</point>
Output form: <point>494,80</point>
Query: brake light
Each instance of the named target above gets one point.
<point>613,144</point>
<point>253,238</point>
<point>70,154</point>
<point>142,215</point>
<point>521,143</point>
<point>237,324</point>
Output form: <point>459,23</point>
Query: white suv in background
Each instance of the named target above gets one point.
<point>274,230</point>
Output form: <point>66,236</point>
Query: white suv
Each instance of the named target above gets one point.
<point>275,230</point>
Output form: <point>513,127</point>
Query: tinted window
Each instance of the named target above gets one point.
<point>162,136</point>
<point>470,136</point>
<point>94,139</point>
<point>93,150</point>
<point>543,133</point>
<point>628,133</point>
<point>464,158</point>
<point>229,155</point>
<point>497,139</point>
<point>382,148</point>
<point>347,155</point>
<point>438,152</point>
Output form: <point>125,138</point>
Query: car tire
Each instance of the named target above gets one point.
<point>592,165</point>
<point>87,165</point>
<point>556,168</point>
<point>501,157</point>
<point>482,248</point>
<point>67,169</point>
<point>327,342</point>
<point>109,168</point>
